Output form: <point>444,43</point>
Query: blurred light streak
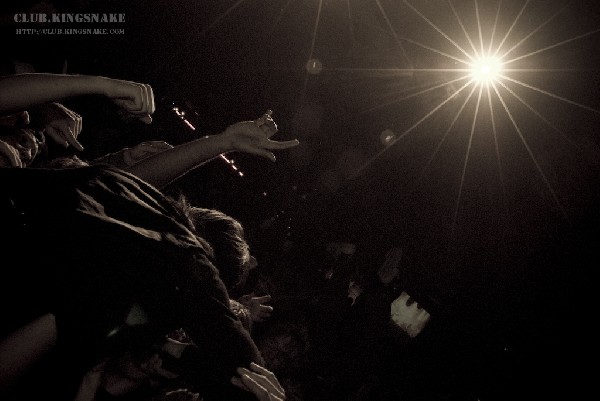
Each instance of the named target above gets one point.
<point>553,46</point>
<point>462,27</point>
<point>519,43</point>
<point>387,20</point>
<point>231,164</point>
<point>550,94</point>
<point>447,132</point>
<point>511,28</point>
<point>447,83</point>
<point>439,30</point>
<point>531,155</point>
<point>429,114</point>
<point>468,152</point>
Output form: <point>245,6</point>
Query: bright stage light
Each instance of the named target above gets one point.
<point>486,69</point>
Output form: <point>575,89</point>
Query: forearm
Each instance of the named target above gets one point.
<point>22,349</point>
<point>163,168</point>
<point>21,91</point>
<point>251,137</point>
<point>115,159</point>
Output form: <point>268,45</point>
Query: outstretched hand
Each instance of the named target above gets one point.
<point>254,137</point>
<point>260,382</point>
<point>258,310</point>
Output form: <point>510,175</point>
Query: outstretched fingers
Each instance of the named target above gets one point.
<point>264,147</point>
<point>269,375</point>
<point>279,145</point>
<point>265,388</point>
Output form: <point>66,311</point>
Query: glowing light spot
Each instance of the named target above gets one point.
<point>314,66</point>
<point>387,137</point>
<point>486,69</point>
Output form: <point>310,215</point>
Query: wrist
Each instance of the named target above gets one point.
<point>98,85</point>
<point>227,141</point>
<point>222,142</point>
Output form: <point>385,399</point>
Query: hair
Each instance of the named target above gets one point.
<point>63,162</point>
<point>40,138</point>
<point>225,235</point>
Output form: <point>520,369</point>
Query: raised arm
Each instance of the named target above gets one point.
<point>251,137</point>
<point>22,91</point>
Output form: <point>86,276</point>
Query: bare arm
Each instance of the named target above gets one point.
<point>22,91</point>
<point>21,350</point>
<point>251,137</point>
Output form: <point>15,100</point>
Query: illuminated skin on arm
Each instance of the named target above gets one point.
<point>251,137</point>
<point>22,91</point>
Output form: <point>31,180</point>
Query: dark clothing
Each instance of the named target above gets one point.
<point>92,241</point>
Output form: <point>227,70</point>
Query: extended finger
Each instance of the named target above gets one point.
<point>255,388</point>
<point>261,387</point>
<point>263,299</point>
<point>72,139</point>
<point>279,145</point>
<point>265,378</point>
<point>64,129</point>
<point>266,309</point>
<point>261,152</point>
<point>56,136</point>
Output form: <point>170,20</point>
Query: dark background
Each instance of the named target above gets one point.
<point>503,256</point>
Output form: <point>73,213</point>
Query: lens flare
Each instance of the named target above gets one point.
<point>486,69</point>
